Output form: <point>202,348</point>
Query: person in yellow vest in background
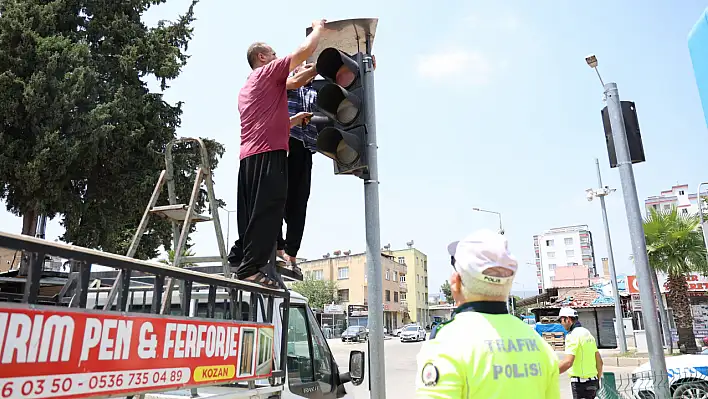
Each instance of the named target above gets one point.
<point>483,351</point>
<point>582,359</point>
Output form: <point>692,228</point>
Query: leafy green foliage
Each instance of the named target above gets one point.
<point>445,288</point>
<point>83,137</point>
<point>318,292</point>
<point>675,246</point>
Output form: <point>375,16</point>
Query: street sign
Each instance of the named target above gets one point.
<point>632,285</point>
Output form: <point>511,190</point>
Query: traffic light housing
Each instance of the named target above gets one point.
<point>342,100</point>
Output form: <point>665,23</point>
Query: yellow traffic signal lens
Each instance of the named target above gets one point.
<point>346,154</point>
<point>347,112</point>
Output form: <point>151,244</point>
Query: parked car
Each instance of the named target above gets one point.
<point>412,333</point>
<point>687,374</point>
<point>355,334</point>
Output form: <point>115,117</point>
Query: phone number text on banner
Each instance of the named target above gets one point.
<point>57,353</point>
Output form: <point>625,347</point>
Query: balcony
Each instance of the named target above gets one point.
<point>403,287</point>
<point>404,306</point>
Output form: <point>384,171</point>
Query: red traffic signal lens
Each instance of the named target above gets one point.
<point>338,67</point>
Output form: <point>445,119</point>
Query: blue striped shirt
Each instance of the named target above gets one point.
<point>303,99</point>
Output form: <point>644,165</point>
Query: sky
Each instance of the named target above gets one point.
<point>479,104</point>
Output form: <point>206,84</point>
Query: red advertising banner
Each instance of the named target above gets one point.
<point>64,353</point>
<point>632,285</point>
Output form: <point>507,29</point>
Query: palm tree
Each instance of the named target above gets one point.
<point>171,258</point>
<point>675,247</point>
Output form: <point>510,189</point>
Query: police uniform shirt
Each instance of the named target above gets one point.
<point>483,352</point>
<point>580,343</point>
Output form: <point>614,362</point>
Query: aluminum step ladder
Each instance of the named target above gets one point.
<point>183,215</point>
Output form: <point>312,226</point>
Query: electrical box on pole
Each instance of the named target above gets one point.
<point>634,136</point>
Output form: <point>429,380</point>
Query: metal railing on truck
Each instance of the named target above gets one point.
<point>33,334</point>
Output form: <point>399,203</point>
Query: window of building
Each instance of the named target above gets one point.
<point>551,255</point>
<point>681,192</point>
<point>395,296</point>
<point>572,264</point>
<point>569,241</point>
<point>403,296</point>
<point>403,278</point>
<point>402,260</point>
<point>426,281</point>
<point>684,211</point>
<point>549,243</point>
<point>667,207</point>
<point>395,275</point>
<point>569,253</point>
<point>425,265</point>
<point>317,274</point>
<point>388,274</point>
<point>417,278</point>
<point>388,295</point>
<point>551,266</point>
<point>343,273</point>
<point>343,295</point>
<point>656,207</point>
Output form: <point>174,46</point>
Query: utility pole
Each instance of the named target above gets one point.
<point>373,236</point>
<point>636,232</point>
<point>602,192</point>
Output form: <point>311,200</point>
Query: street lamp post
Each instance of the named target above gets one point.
<point>228,226</point>
<point>501,228</point>
<point>601,193</point>
<point>636,230</point>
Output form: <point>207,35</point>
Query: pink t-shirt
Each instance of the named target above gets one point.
<point>263,105</point>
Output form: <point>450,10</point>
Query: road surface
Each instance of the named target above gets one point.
<point>401,369</point>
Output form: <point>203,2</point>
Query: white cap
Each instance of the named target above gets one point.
<point>567,312</point>
<point>481,251</point>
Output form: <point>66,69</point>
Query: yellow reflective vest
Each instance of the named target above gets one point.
<point>484,352</point>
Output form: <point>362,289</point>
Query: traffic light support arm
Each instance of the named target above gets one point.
<point>373,237</point>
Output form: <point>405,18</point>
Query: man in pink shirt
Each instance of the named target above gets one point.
<point>263,171</point>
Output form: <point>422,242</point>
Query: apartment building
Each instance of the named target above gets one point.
<point>678,196</point>
<point>563,247</point>
<point>350,273</point>
<point>416,299</point>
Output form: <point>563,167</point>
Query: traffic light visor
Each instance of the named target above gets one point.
<point>338,104</point>
<point>343,147</point>
<point>338,67</point>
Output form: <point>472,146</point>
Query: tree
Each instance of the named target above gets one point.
<point>675,247</point>
<point>317,292</point>
<point>446,290</point>
<point>83,137</point>
<point>171,258</point>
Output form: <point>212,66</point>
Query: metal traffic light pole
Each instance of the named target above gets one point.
<point>377,371</point>
<point>639,247</point>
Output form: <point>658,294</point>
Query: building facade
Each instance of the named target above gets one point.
<point>350,274</point>
<point>416,281</point>
<point>562,247</point>
<point>678,196</point>
<point>9,259</point>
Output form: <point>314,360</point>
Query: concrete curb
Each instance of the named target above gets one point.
<point>625,361</point>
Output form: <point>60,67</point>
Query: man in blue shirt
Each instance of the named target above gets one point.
<point>302,97</point>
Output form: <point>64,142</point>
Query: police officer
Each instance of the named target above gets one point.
<point>582,359</point>
<point>483,351</point>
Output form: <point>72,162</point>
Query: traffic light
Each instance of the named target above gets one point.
<point>342,100</point>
